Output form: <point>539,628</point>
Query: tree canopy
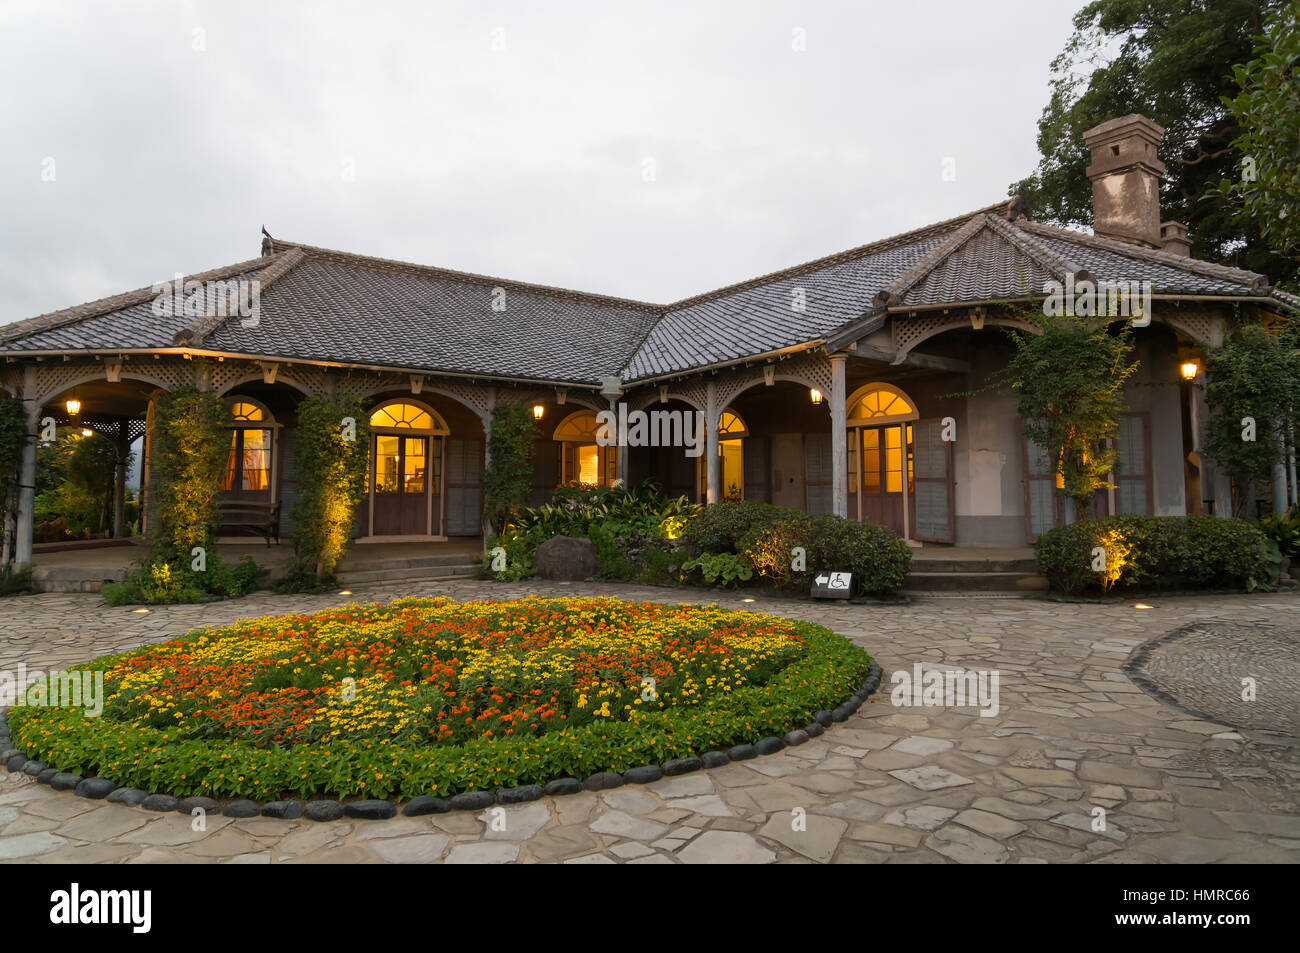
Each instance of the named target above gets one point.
<point>1173,61</point>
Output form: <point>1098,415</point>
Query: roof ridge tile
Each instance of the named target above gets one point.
<point>1252,280</point>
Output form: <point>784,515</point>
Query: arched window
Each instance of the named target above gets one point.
<point>879,404</point>
<point>249,463</point>
<point>582,459</point>
<point>406,415</point>
<point>731,455</point>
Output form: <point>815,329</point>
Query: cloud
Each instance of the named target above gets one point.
<point>504,139</point>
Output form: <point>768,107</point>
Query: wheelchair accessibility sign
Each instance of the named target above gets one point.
<point>832,585</point>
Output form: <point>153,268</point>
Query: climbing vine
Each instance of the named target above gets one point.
<point>13,434</point>
<point>188,442</point>
<point>331,447</point>
<point>510,465</point>
<point>188,445</point>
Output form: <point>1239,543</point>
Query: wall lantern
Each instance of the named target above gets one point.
<point>1189,370</point>
<point>815,395</point>
<point>538,410</point>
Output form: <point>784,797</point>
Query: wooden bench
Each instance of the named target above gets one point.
<point>260,519</point>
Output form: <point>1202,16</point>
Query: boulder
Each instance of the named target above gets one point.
<point>566,558</point>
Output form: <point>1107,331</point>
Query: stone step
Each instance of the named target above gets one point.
<point>411,574</point>
<point>974,582</point>
<point>356,561</point>
<point>1021,565</point>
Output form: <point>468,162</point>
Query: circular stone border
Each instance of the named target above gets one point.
<point>1132,668</point>
<point>97,788</point>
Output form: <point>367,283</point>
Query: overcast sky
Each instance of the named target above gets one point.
<point>650,150</point>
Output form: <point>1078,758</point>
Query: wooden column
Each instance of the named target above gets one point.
<point>839,435</point>
<point>25,528</point>
<point>711,413</point>
<point>123,447</point>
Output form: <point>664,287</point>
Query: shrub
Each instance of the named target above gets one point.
<point>879,560</point>
<point>621,523</point>
<point>161,581</point>
<point>1156,552</point>
<point>720,528</point>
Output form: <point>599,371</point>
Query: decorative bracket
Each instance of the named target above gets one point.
<point>269,370</point>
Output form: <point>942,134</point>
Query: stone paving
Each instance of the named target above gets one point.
<point>1072,735</point>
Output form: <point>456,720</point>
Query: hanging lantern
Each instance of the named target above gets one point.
<point>815,395</point>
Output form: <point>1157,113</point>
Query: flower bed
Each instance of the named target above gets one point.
<point>427,697</point>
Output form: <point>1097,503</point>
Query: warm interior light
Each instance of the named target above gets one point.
<point>1189,369</point>
<point>815,395</point>
<point>538,410</point>
<point>74,406</point>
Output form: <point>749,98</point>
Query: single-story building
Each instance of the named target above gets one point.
<point>847,385</point>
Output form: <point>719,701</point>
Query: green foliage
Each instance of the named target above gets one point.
<point>13,581</point>
<point>74,482</point>
<point>1069,384</point>
<point>723,568</point>
<point>13,435</point>
<point>189,439</point>
<point>623,524</point>
<point>188,445</point>
<point>1156,553</point>
<point>1171,60</point>
<point>510,463</point>
<point>161,582</point>
<point>1284,530</point>
<point>1267,111</point>
<point>879,560</point>
<point>720,528</point>
<point>1253,375</point>
<point>331,472</point>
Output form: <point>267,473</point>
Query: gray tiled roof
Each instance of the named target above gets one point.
<point>325,310</point>
<point>318,304</point>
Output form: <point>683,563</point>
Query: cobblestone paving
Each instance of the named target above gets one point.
<point>1203,665</point>
<point>891,785</point>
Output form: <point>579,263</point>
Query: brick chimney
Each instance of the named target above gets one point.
<point>1125,175</point>
<point>1173,238</point>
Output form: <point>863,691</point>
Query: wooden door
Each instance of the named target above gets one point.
<point>787,470</point>
<point>886,452</point>
<point>400,484</point>
<point>932,502</point>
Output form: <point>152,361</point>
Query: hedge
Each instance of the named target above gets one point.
<point>1157,553</point>
<point>879,560</point>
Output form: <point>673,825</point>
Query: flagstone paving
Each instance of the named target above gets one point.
<point>1074,743</point>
